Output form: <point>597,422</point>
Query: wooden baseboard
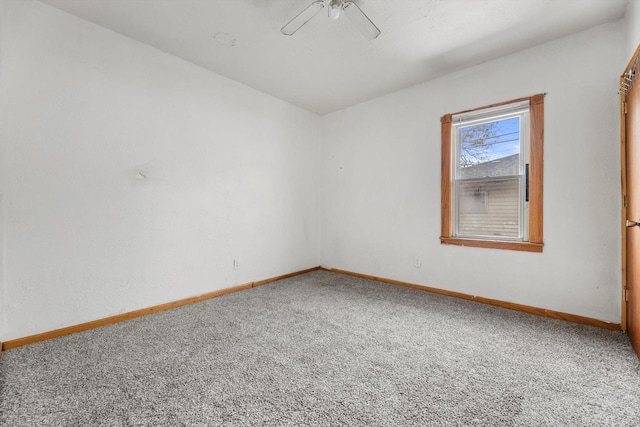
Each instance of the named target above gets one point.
<point>138,313</point>
<point>143,312</point>
<point>508,305</point>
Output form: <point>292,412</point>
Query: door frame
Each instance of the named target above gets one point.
<point>623,186</point>
<point>623,189</point>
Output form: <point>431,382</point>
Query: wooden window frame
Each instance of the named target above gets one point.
<point>534,242</point>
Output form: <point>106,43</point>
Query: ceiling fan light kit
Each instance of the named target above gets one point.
<point>335,8</point>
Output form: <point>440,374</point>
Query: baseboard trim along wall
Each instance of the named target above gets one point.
<point>508,305</point>
<point>174,304</point>
<point>142,312</point>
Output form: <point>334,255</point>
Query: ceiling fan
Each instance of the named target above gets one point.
<point>335,9</point>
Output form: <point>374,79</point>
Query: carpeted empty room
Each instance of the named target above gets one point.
<point>319,213</point>
<point>327,349</point>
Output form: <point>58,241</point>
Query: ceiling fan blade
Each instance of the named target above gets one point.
<point>361,20</point>
<point>302,18</point>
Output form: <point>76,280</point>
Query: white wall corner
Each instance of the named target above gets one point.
<point>131,178</point>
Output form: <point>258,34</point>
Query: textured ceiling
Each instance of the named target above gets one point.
<point>327,65</point>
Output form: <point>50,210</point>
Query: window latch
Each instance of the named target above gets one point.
<point>526,182</point>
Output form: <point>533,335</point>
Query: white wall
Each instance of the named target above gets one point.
<point>632,25</point>
<point>230,173</point>
<point>381,180</point>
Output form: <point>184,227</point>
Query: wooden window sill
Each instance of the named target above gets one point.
<point>493,244</point>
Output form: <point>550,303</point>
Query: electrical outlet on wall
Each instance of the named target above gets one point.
<point>417,263</point>
<point>236,264</point>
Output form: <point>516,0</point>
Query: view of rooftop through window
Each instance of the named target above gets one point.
<point>485,142</point>
<point>488,199</point>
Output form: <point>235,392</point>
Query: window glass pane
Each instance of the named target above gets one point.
<point>489,149</point>
<point>489,208</point>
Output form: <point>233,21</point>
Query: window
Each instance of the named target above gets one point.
<point>492,176</point>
